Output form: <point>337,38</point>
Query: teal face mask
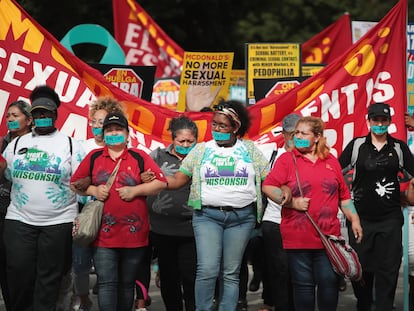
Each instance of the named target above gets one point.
<point>114,139</point>
<point>379,129</point>
<point>218,136</point>
<point>301,143</point>
<point>97,131</point>
<point>184,150</point>
<point>44,122</point>
<point>13,125</point>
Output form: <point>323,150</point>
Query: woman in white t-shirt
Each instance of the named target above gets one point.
<point>38,225</point>
<point>225,194</point>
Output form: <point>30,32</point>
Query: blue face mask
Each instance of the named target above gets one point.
<point>44,122</point>
<point>379,129</point>
<point>301,143</point>
<point>184,150</point>
<point>13,125</point>
<point>218,136</point>
<point>97,131</point>
<point>114,139</point>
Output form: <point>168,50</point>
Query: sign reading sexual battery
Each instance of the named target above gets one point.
<point>271,60</point>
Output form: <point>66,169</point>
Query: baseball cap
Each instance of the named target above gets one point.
<point>44,97</point>
<point>379,110</point>
<point>115,118</point>
<point>44,103</point>
<point>289,122</point>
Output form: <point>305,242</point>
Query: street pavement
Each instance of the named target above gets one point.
<point>346,299</point>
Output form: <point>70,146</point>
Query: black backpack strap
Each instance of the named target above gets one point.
<point>136,156</point>
<point>15,144</point>
<point>354,156</point>
<point>139,158</point>
<point>273,158</point>
<point>70,145</point>
<point>93,158</point>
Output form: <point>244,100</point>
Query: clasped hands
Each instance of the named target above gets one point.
<point>126,193</point>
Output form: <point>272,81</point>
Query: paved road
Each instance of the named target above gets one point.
<point>346,299</point>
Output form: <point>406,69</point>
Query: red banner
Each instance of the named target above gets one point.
<point>143,41</point>
<point>31,56</point>
<point>372,70</point>
<point>328,44</point>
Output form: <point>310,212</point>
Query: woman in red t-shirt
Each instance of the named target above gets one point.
<point>323,188</point>
<point>121,243</point>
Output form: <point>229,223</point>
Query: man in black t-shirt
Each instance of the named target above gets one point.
<point>376,195</point>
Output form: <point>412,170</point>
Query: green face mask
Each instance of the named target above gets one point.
<point>97,131</point>
<point>184,150</point>
<point>301,143</point>
<point>218,136</point>
<point>114,139</point>
<point>379,129</point>
<point>13,125</point>
<point>44,122</point>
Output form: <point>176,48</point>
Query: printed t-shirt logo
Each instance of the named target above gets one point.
<point>384,188</point>
<point>224,172</point>
<point>38,165</point>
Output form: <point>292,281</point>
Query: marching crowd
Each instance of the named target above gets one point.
<point>197,207</point>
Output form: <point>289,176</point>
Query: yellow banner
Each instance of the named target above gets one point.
<point>271,60</point>
<point>204,80</point>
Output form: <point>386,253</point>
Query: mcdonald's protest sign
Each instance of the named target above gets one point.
<point>372,70</point>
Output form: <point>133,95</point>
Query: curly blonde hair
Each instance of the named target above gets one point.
<point>107,103</point>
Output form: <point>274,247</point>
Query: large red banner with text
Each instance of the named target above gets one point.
<point>373,70</point>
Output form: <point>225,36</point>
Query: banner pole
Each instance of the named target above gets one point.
<point>405,210</point>
<point>405,261</point>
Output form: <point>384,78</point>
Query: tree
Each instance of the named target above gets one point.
<point>215,25</point>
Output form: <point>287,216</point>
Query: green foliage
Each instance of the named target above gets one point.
<point>217,25</point>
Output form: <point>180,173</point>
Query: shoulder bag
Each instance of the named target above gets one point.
<point>86,225</point>
<point>343,257</point>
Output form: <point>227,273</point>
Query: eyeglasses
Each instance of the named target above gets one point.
<point>96,123</point>
<point>220,107</point>
<point>221,126</point>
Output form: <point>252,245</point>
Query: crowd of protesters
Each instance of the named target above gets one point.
<point>195,206</point>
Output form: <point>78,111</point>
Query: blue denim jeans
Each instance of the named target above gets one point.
<point>311,270</point>
<point>117,270</point>
<point>81,266</point>
<point>221,238</point>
